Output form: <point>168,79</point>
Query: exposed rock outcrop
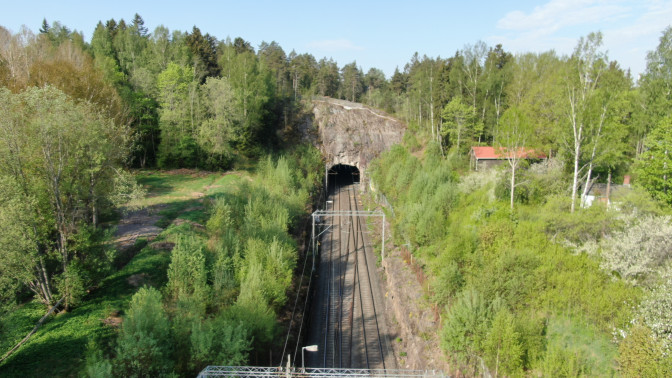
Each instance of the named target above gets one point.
<point>353,134</point>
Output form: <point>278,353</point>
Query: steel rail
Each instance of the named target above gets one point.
<point>373,301</point>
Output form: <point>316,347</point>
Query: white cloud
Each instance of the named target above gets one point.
<point>334,45</point>
<point>557,14</point>
<point>630,27</point>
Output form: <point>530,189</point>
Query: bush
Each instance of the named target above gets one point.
<point>143,347</point>
<point>637,251</point>
<point>641,355</point>
<point>656,311</point>
<point>465,328</point>
<point>187,275</point>
<point>220,342</point>
<point>562,362</point>
<point>448,283</point>
<point>502,348</point>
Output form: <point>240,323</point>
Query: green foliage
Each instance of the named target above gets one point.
<point>187,275</point>
<point>71,283</point>
<point>654,166</point>
<point>126,190</point>
<point>655,85</point>
<point>466,326</point>
<point>460,124</point>
<point>641,355</point>
<point>266,273</point>
<point>63,155</point>
<point>144,344</point>
<point>97,366</point>
<point>573,348</point>
<point>448,283</point>
<point>504,277</point>
<point>424,192</point>
<point>19,248</point>
<point>254,254</point>
<point>215,133</point>
<point>561,362</point>
<point>219,342</point>
<point>167,83</point>
<point>502,346</point>
<point>583,225</point>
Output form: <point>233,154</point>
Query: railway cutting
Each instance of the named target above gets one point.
<point>345,322</point>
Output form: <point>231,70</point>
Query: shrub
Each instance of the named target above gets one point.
<point>638,250</point>
<point>641,355</point>
<point>219,341</point>
<point>562,362</point>
<point>465,329</point>
<point>448,283</point>
<point>187,275</point>
<point>656,311</point>
<point>502,347</point>
<point>143,347</point>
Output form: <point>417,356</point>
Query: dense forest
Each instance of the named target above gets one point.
<point>528,278</point>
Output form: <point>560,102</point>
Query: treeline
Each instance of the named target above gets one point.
<point>583,107</point>
<point>225,285</point>
<point>190,99</point>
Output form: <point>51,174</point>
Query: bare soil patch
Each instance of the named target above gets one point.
<point>163,246</point>
<point>179,221</point>
<point>113,320</point>
<point>138,224</point>
<point>136,280</point>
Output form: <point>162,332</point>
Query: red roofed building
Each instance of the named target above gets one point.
<point>486,157</point>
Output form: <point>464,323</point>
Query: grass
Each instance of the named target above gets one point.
<point>182,194</point>
<point>59,346</point>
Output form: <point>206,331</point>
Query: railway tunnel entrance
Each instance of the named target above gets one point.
<point>340,175</point>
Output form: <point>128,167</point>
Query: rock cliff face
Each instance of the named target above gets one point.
<point>351,134</point>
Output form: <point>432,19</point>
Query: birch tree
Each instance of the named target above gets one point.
<point>585,115</point>
<point>513,140</point>
<point>62,155</point>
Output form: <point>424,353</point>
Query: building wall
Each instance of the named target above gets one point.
<point>487,164</point>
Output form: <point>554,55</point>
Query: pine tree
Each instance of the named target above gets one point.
<point>45,27</point>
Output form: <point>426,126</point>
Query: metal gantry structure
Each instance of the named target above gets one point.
<point>321,214</point>
<point>291,371</point>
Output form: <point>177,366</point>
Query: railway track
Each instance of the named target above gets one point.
<point>350,329</point>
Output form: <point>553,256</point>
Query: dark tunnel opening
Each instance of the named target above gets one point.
<point>341,175</point>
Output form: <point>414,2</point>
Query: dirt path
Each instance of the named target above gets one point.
<point>142,223</point>
<point>138,224</point>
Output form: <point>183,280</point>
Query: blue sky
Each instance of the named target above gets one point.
<point>382,34</point>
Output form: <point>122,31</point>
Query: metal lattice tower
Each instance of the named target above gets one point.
<point>250,371</point>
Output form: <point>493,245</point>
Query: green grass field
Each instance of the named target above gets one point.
<point>59,346</point>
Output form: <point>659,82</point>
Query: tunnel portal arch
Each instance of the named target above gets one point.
<point>342,174</point>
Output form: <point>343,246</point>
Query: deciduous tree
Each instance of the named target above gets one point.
<point>514,139</point>
<point>654,165</point>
